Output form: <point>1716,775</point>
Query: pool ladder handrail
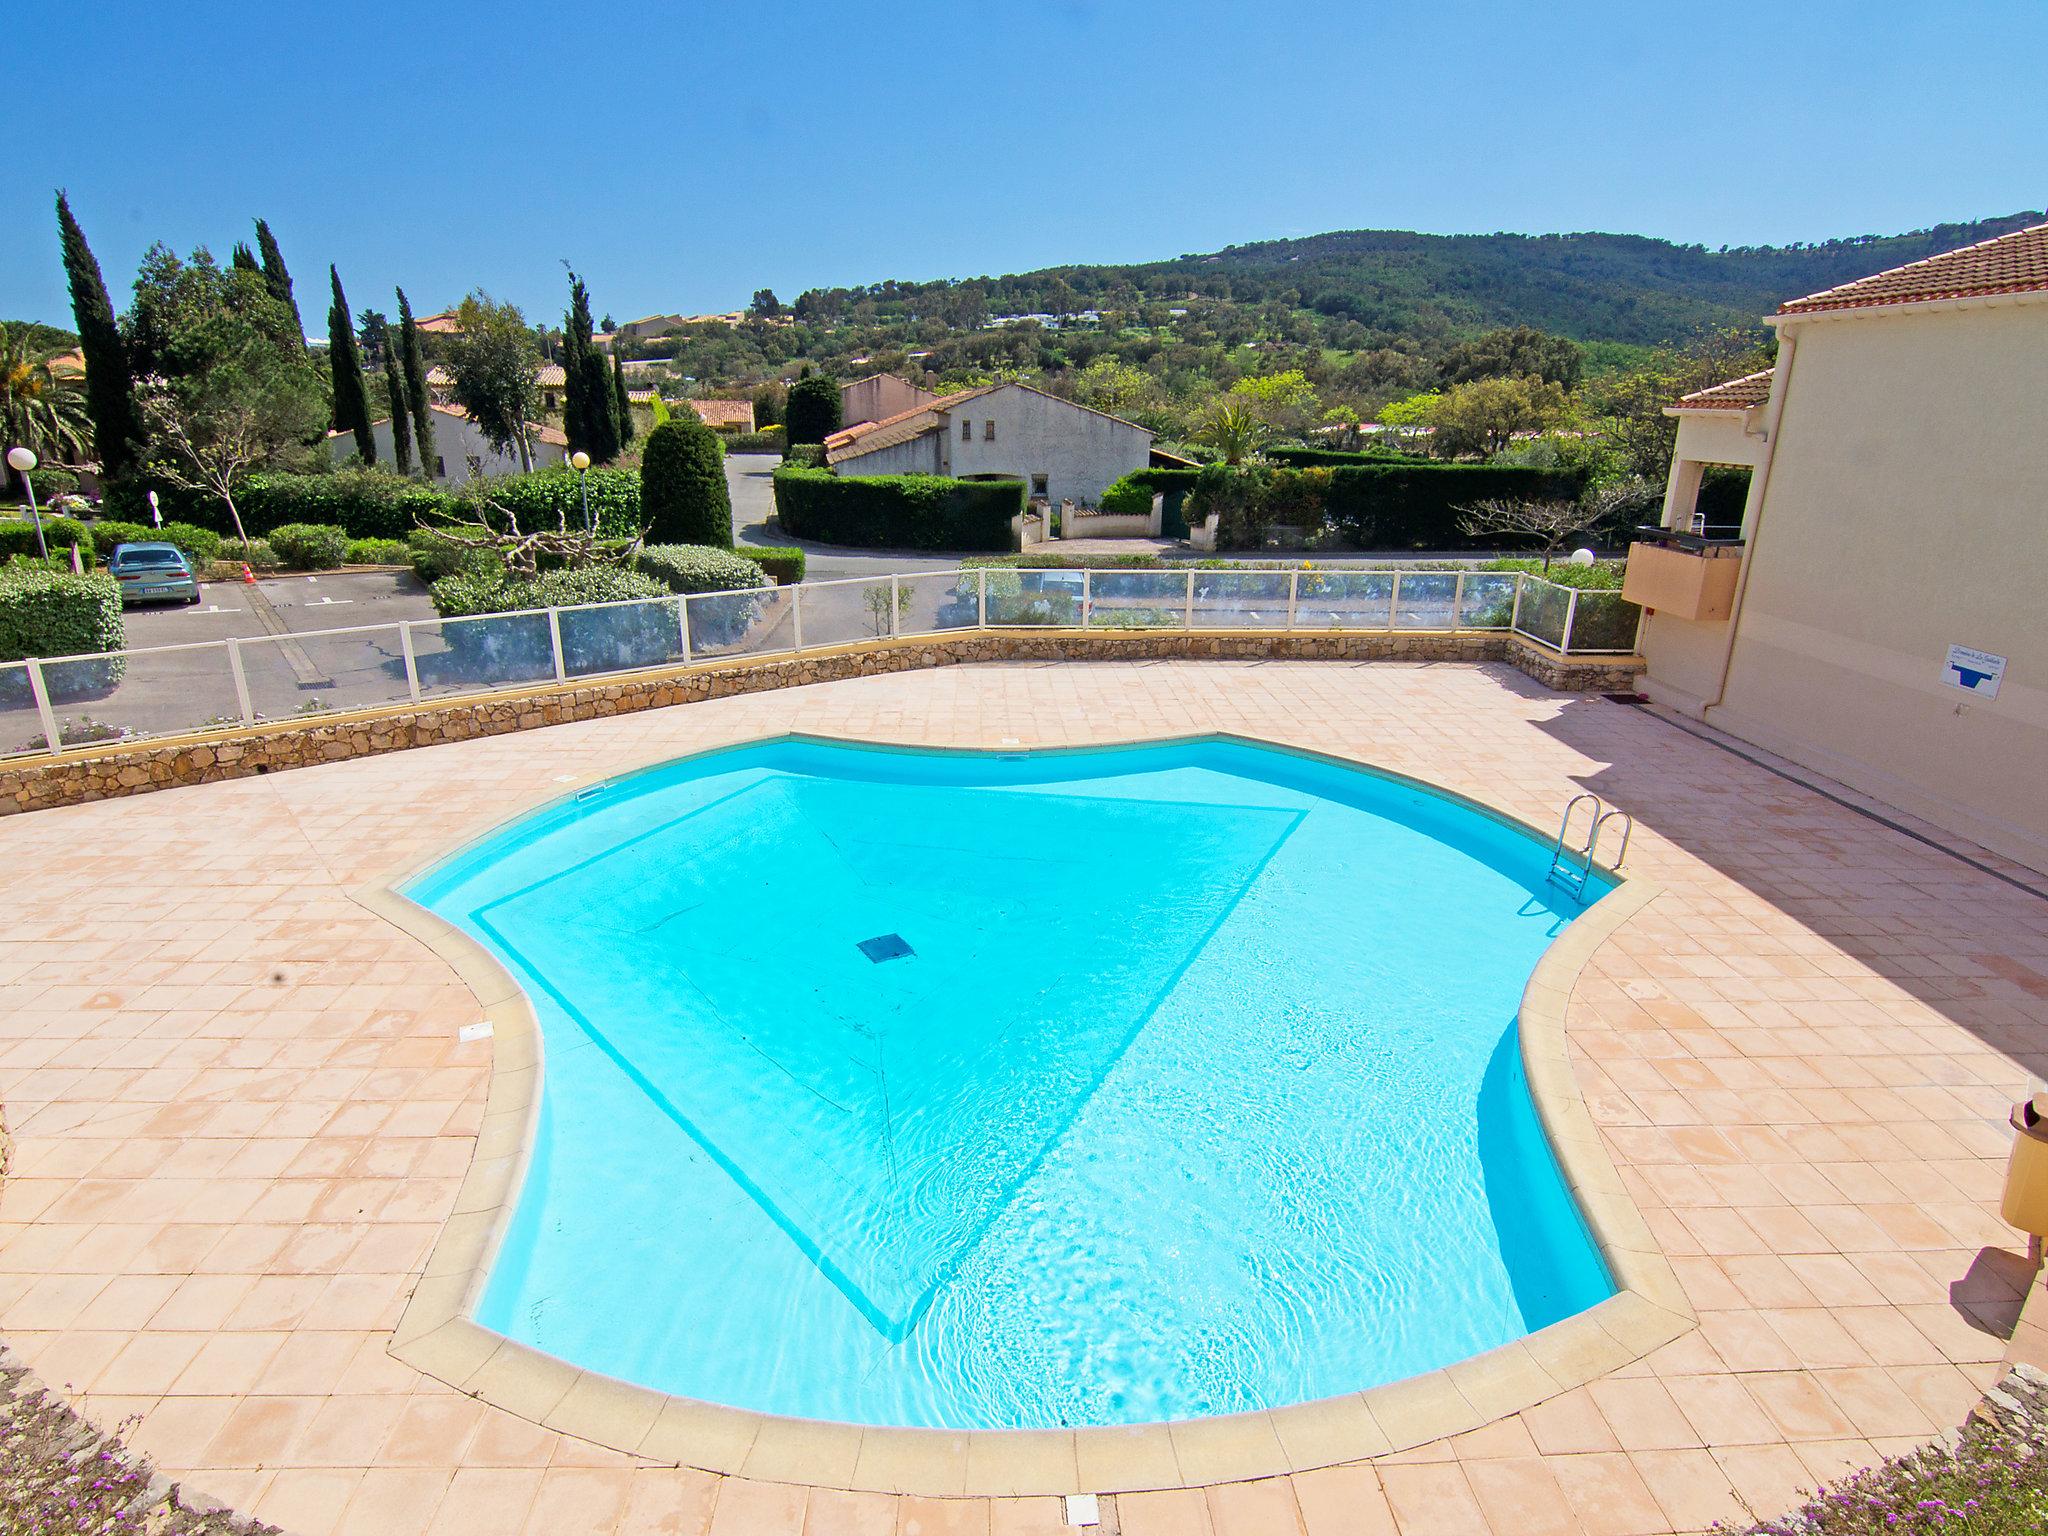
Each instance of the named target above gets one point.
<point>1572,866</point>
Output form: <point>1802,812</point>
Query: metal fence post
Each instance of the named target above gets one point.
<point>1087,597</point>
<point>895,606</point>
<point>981,598</point>
<point>1515,613</point>
<point>412,662</point>
<point>1394,605</point>
<point>1293,593</point>
<point>40,690</point>
<point>1187,612</point>
<point>796,614</point>
<point>683,623</point>
<point>1571,612</point>
<point>1458,603</point>
<point>241,681</point>
<point>555,640</point>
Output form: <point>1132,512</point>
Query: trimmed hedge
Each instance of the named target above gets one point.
<point>58,613</point>
<point>1417,506</point>
<point>463,594</point>
<point>784,563</point>
<point>697,568</point>
<point>200,545</point>
<point>309,546</point>
<point>1338,458</point>
<point>379,552</point>
<point>751,442</point>
<point>1126,498</point>
<point>682,485</point>
<point>897,511</point>
<point>377,504</point>
<point>60,533</point>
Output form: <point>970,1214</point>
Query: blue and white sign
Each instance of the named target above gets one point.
<point>1973,671</point>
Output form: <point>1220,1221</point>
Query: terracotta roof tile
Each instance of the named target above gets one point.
<point>873,436</point>
<point>724,413</point>
<point>1733,395</point>
<point>2014,263</point>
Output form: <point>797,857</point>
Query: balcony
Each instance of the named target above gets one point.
<point>1683,574</point>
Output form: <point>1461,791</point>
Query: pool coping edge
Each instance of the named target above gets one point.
<point>437,1333</point>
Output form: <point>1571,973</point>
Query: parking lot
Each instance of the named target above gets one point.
<point>332,600</point>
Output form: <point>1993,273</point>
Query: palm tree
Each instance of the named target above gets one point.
<point>39,409</point>
<point>1234,430</point>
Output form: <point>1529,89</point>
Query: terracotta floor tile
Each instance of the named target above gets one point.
<point>1170,1512</point>
<point>832,1512</point>
<point>1608,1495</point>
<point>756,1509</point>
<point>1431,1498</point>
<point>1262,1508</point>
<point>578,1498</point>
<point>669,1501</point>
<point>1521,1497</point>
<point>1690,1486</point>
<point>1343,1501</point>
<point>487,1501</point>
<point>394,1502</point>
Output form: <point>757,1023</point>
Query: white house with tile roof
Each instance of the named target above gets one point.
<point>461,451</point>
<point>1062,451</point>
<point>1880,618</point>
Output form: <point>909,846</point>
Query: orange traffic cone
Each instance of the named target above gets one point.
<point>248,576</point>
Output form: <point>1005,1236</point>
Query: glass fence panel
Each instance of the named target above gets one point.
<point>1043,599</point>
<point>1241,599</point>
<point>314,674</point>
<point>741,623</point>
<point>502,650</point>
<point>1344,600</point>
<point>935,602</point>
<point>141,693</point>
<point>1427,600</point>
<point>21,727</point>
<point>1543,612</point>
<point>1489,601</point>
<point>845,612</point>
<point>621,637</point>
<point>1604,622</point>
<point>1138,600</point>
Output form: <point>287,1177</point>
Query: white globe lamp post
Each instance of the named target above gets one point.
<point>21,461</point>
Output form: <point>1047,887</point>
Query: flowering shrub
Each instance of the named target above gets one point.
<point>1989,1479</point>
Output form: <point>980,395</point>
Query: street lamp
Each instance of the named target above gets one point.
<point>22,460</point>
<point>156,516</point>
<point>580,462</point>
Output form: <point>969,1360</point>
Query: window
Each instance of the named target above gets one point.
<point>966,430</point>
<point>988,431</point>
<point>1038,487</point>
<point>440,467</point>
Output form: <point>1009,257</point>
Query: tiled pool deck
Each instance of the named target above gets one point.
<point>240,1117</point>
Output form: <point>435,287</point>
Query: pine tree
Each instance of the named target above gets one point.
<point>351,399</point>
<point>588,408</point>
<point>624,405</point>
<point>416,397</point>
<point>278,280</point>
<point>401,413</point>
<point>109,390</point>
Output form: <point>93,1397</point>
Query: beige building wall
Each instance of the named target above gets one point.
<point>1903,508</point>
<point>879,398</point>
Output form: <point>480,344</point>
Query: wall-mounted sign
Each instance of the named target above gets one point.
<point>1973,671</point>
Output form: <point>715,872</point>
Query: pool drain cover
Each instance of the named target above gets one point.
<point>889,946</point>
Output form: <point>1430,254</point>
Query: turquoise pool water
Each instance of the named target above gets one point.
<point>984,1091</point>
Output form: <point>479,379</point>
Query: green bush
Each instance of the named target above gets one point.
<point>1127,498</point>
<point>379,552</point>
<point>473,592</point>
<point>18,537</point>
<point>200,545</point>
<point>697,568</point>
<point>1418,506</point>
<point>601,639</point>
<point>433,556</point>
<point>897,511</point>
<point>752,442</point>
<point>552,497</point>
<point>683,493</point>
<point>804,456</point>
<point>1332,458</point>
<point>784,563</point>
<point>58,613</point>
<point>368,503</point>
<point>813,411</point>
<point>309,546</point>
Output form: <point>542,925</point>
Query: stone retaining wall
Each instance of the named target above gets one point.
<point>97,774</point>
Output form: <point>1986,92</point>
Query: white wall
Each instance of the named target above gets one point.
<point>1079,452</point>
<point>456,441</point>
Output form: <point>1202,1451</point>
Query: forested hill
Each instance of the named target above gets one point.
<point>1592,287</point>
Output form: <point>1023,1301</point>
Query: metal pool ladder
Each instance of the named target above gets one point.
<point>1571,866</point>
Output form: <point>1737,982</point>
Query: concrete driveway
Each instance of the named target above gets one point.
<point>329,600</point>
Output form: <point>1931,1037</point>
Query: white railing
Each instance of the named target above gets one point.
<point>48,704</point>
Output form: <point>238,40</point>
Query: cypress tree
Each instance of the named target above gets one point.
<point>588,408</point>
<point>245,259</point>
<point>401,408</point>
<point>278,280</point>
<point>625,406</point>
<point>416,386</point>
<point>813,410</point>
<point>109,390</point>
<point>351,399</point>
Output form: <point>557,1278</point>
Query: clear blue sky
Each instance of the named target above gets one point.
<point>683,154</point>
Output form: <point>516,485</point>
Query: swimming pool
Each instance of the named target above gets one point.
<point>1024,1090</point>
